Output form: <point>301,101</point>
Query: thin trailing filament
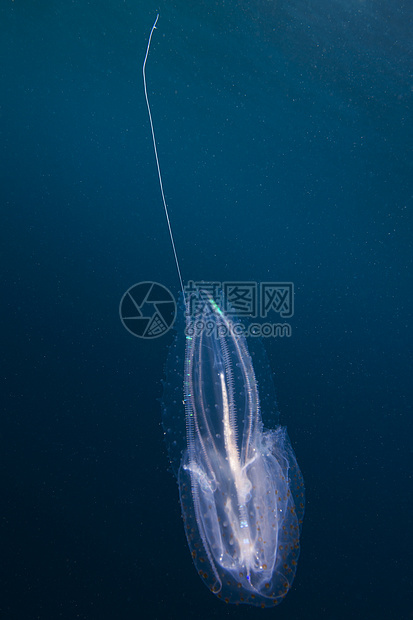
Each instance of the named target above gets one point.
<point>157,158</point>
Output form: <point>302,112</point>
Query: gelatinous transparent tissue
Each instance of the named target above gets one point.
<point>241,490</point>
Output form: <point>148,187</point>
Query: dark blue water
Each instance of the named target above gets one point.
<point>285,133</point>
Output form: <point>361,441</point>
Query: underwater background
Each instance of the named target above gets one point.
<point>285,134</point>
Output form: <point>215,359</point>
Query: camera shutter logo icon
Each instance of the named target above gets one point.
<point>147,310</point>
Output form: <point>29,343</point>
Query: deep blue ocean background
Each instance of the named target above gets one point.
<point>285,132</point>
